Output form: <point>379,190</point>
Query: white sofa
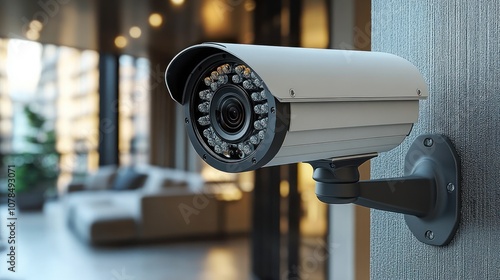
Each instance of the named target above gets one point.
<point>172,204</point>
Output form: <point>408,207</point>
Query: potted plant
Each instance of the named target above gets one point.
<point>37,169</point>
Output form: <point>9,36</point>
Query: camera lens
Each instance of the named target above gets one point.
<point>231,115</point>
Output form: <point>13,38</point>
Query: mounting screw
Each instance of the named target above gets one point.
<point>428,142</point>
<point>204,157</point>
<point>254,160</point>
<point>429,234</point>
<point>186,120</point>
<point>332,165</point>
<point>292,93</point>
<point>273,110</point>
<point>419,93</point>
<point>450,187</point>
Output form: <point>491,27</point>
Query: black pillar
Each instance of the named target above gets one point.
<point>266,224</point>
<point>295,22</point>
<point>266,235</point>
<point>293,242</point>
<point>266,196</point>
<point>267,22</point>
<point>108,109</point>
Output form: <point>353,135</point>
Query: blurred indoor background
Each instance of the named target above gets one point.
<point>107,183</point>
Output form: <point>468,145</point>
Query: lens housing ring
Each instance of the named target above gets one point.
<point>278,124</point>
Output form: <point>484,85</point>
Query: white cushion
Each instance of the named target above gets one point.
<point>102,179</point>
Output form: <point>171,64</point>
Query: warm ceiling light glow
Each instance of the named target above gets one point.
<point>135,32</point>
<point>155,19</point>
<point>284,188</point>
<point>36,25</point>
<point>213,23</point>
<point>32,35</point>
<point>177,2</point>
<point>249,5</point>
<point>314,23</point>
<point>120,41</point>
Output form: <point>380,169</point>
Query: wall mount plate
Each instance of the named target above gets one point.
<point>434,156</point>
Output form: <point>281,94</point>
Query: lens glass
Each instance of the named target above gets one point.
<point>232,115</point>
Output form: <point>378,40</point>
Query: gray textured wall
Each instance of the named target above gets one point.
<point>456,45</point>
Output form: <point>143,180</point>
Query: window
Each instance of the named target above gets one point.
<point>60,86</point>
<point>134,110</point>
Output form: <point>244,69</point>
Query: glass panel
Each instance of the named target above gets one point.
<point>6,110</point>
<point>76,79</point>
<point>49,106</point>
<point>134,110</point>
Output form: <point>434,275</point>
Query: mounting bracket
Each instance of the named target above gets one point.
<point>428,194</point>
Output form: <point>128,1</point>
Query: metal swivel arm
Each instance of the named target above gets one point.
<point>428,194</point>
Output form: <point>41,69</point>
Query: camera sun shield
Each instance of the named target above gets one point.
<point>251,106</point>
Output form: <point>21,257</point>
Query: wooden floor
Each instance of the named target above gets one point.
<point>48,250</point>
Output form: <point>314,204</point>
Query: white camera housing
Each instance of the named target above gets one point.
<point>320,103</point>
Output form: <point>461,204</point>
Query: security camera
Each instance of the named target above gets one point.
<point>250,106</point>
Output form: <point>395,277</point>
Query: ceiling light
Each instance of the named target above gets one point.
<point>32,35</point>
<point>120,41</point>
<point>36,25</point>
<point>155,20</point>
<point>135,32</point>
<point>249,5</point>
<point>177,2</point>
